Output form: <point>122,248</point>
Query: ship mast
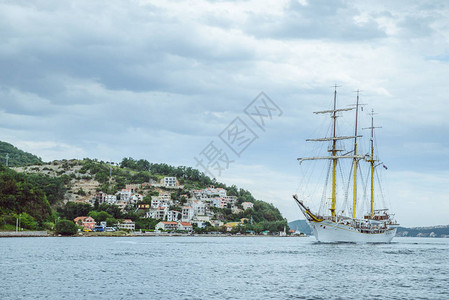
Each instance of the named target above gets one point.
<point>371,160</point>
<point>334,154</point>
<point>372,163</point>
<point>354,201</point>
<point>334,157</point>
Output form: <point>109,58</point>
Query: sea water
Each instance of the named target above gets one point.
<point>221,268</point>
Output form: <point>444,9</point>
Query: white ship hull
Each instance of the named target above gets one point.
<point>331,232</point>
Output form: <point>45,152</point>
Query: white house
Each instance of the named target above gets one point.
<point>170,182</point>
<point>198,208</point>
<point>110,199</point>
<point>221,192</point>
<point>158,214</point>
<point>187,213</point>
<point>172,215</point>
<point>158,201</point>
<point>215,202</point>
<point>215,191</point>
<point>135,198</point>
<point>231,200</point>
<point>247,205</point>
<point>127,224</point>
<point>125,195</point>
<point>200,224</point>
<point>164,225</point>
<point>121,204</point>
<point>216,223</point>
<point>185,226</point>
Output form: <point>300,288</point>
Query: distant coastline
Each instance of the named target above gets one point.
<point>439,231</point>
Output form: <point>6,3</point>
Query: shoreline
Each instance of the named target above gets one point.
<point>24,234</point>
<point>6,234</point>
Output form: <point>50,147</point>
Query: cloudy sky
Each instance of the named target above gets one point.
<point>162,80</point>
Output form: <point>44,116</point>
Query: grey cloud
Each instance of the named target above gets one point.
<point>137,48</point>
<point>319,19</point>
<point>416,26</point>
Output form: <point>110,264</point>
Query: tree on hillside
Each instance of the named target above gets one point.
<point>111,222</point>
<point>66,227</point>
<point>99,216</point>
<point>111,209</point>
<point>19,195</point>
<point>73,210</point>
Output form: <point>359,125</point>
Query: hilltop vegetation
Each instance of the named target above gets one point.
<point>17,157</point>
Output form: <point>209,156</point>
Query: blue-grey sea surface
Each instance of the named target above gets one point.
<point>221,268</point>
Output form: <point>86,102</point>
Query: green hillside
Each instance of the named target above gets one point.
<point>36,193</point>
<point>264,215</point>
<point>17,157</point>
<point>25,196</point>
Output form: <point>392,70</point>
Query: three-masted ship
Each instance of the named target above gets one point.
<point>332,225</point>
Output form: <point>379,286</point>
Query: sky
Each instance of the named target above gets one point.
<point>179,81</point>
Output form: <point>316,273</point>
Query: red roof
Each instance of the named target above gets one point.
<point>83,219</point>
<point>170,223</point>
<point>79,218</point>
<point>185,224</point>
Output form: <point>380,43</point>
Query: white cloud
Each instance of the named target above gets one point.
<point>50,150</point>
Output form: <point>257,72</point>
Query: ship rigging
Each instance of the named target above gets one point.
<point>376,225</point>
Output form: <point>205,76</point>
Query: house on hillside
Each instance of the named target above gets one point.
<point>247,205</point>
<point>170,182</point>
<point>158,202</point>
<point>125,194</point>
<point>165,225</point>
<point>100,197</point>
<point>127,224</point>
<point>215,202</point>
<point>110,199</point>
<point>228,201</point>
<point>158,214</point>
<point>187,214</point>
<point>198,208</point>
<point>133,187</point>
<point>185,226</point>
<point>135,198</point>
<point>121,204</point>
<point>86,222</point>
<point>172,215</point>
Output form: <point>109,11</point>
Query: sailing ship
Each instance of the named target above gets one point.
<point>331,225</point>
